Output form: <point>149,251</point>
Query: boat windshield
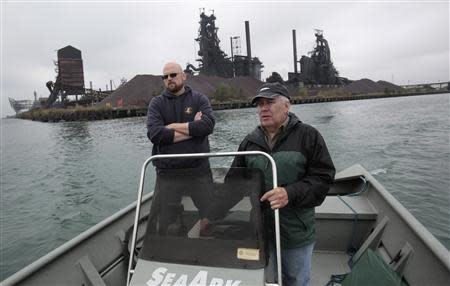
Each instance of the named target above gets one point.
<point>228,198</point>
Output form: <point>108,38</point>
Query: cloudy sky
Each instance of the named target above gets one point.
<point>400,41</point>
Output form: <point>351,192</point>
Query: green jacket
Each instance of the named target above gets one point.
<point>305,170</point>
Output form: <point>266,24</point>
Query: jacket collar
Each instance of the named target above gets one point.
<point>168,94</point>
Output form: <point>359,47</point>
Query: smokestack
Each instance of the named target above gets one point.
<point>231,44</point>
<point>249,48</point>
<point>294,40</point>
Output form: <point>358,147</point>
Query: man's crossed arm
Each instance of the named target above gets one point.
<point>182,129</point>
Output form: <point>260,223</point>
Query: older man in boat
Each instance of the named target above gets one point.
<point>305,174</point>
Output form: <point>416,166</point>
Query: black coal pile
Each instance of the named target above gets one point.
<point>365,86</point>
<point>142,88</point>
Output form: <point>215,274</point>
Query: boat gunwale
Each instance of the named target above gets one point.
<point>69,245</point>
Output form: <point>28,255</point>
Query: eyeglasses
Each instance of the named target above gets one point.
<point>170,75</point>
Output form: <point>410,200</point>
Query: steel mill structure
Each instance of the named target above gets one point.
<point>213,61</point>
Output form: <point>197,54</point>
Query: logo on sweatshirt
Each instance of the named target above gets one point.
<point>188,110</point>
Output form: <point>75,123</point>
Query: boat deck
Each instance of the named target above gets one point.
<point>325,263</point>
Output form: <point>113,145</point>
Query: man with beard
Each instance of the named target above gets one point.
<point>179,121</point>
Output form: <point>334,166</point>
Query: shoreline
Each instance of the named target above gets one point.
<point>104,113</point>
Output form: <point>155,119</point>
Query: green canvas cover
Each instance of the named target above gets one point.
<point>371,270</point>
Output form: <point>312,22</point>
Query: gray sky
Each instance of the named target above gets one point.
<point>404,41</point>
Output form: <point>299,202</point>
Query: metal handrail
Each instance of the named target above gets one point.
<point>202,155</point>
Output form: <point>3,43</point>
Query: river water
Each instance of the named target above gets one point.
<point>59,179</point>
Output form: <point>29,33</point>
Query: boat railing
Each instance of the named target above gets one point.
<point>201,155</point>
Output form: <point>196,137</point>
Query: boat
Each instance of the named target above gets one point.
<point>20,106</point>
<point>363,234</point>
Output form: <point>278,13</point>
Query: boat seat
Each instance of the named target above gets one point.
<point>375,242</point>
<point>372,264</point>
<point>343,222</point>
<point>335,207</point>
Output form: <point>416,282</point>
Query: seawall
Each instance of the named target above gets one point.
<point>103,113</point>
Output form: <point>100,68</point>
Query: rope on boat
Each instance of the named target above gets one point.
<point>363,190</point>
<point>351,249</point>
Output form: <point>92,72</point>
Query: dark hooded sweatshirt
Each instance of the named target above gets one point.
<point>168,108</point>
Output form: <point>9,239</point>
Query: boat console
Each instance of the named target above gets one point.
<point>205,227</point>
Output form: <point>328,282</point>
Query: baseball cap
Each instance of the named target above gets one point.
<point>271,90</point>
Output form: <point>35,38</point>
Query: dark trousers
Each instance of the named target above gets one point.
<point>172,185</point>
